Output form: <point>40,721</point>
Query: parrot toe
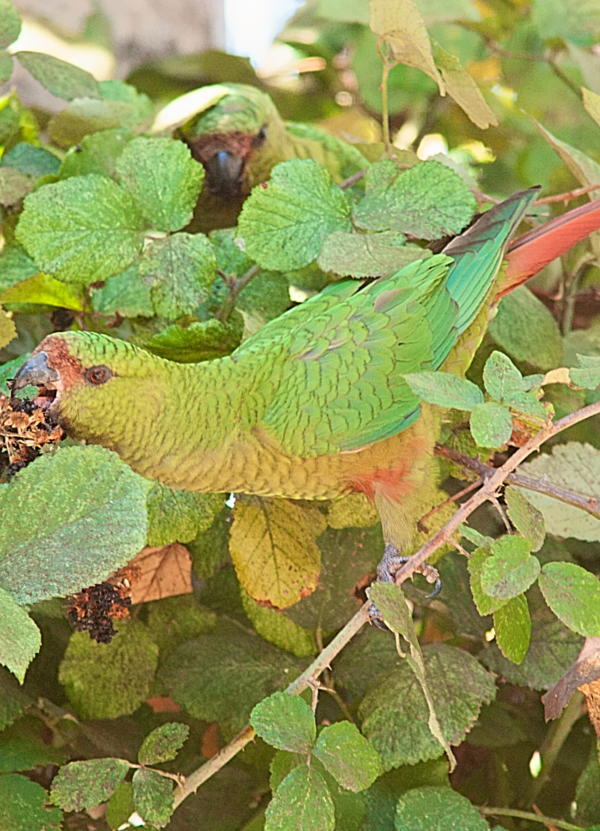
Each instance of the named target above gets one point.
<point>387,569</point>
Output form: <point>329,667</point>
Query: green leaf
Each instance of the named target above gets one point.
<point>573,594</point>
<point>285,222</point>
<point>8,329</point>
<point>83,785</point>
<point>510,570</point>
<point>277,628</point>
<point>6,65</point>
<point>81,230</point>
<point>348,756</point>
<point>62,79</point>
<point>163,744</point>
<point>513,628</point>
<point>574,467</point>
<point>109,680</point>
<point>200,341</point>
<point>491,424</point>
<point>96,153</point>
<point>463,89</point>
<point>395,714</point>
<point>12,699</point>
<point>526,403</point>
<point>20,639</point>
<point>90,521</point>
<point>473,535</point>
<point>164,180</point>
<point>220,677</point>
<point>445,390</point>
<point>45,290</point>
<point>587,795</point>
<point>15,266</point>
<point>10,23</point>
<point>525,329</point>
<point>444,204</point>
<point>124,294</point>
<point>24,805</point>
<point>14,185</point>
<point>301,803</point>
<point>120,806</point>
<point>367,255</point>
<point>180,271</point>
<point>485,604</point>
<point>176,619</point>
<point>285,722</point>
<point>177,515</point>
<point>501,377</point>
<point>589,374</point>
<point>425,809</point>
<point>22,747</point>
<point>566,20</point>
<point>525,517</point>
<point>152,796</point>
<point>32,160</point>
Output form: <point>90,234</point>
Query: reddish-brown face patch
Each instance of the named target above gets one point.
<point>238,144</point>
<point>60,359</point>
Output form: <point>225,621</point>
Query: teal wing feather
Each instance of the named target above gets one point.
<point>329,372</point>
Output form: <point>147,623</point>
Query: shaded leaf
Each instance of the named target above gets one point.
<point>274,551</point>
<point>563,19</point>
<point>15,266</point>
<point>96,153</point>
<point>301,803</point>
<point>82,230</point>
<point>525,517</point>
<point>285,722</point>
<point>277,628</point>
<point>45,290</point>
<point>91,521</point>
<point>285,222</point>
<point>6,64</point>
<point>163,743</point>
<point>32,160</point>
<point>367,255</point>
<point>510,570</point>
<point>12,699</point>
<point>513,628</point>
<point>444,204</point>
<point>174,620</point>
<point>59,77</point>
<point>24,805</point>
<point>589,374</point>
<point>484,602</point>
<point>445,390</point>
<point>200,341</point>
<point>152,796</point>
<point>120,806</point>
<point>109,680</point>
<point>177,515</point>
<point>124,294</point>
<point>526,329</point>
<point>347,756</point>
<point>573,594</point>
<point>10,23</point>
<point>8,329</point>
<point>370,652</point>
<point>14,185</point>
<point>428,808</point>
<point>20,639</point>
<point>80,785</point>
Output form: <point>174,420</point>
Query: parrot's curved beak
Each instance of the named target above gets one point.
<point>225,174</point>
<point>37,373</point>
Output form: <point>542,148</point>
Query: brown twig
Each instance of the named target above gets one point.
<point>235,288</point>
<point>454,498</point>
<point>567,196</point>
<point>352,180</point>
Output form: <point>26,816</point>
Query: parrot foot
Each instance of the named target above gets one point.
<point>388,566</point>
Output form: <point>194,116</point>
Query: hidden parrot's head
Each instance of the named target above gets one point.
<point>234,140</point>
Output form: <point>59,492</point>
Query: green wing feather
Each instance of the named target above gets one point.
<point>332,368</point>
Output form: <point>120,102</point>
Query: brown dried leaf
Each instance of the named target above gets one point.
<point>166,571</point>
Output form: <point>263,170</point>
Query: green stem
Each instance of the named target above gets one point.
<point>513,812</point>
<point>552,744</point>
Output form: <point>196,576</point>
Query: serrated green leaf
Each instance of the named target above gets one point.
<point>109,680</point>
<point>163,178</point>
<point>423,809</point>
<point>444,204</point>
<point>152,796</point>
<point>395,714</point>
<point>473,535</point>
<point>367,255</point>
<point>10,23</point>
<point>200,341</point>
<point>285,722</point>
<point>589,374</point>
<point>513,628</point>
<point>24,805</point>
<point>179,271</point>
<point>32,160</point>
<point>525,517</point>
<point>15,266</point>
<point>301,803</point>
<point>491,424</point>
<point>20,639</point>
<point>163,744</point>
<point>176,619</point>
<point>510,570</point>
<point>80,785</point>
<point>526,403</point>
<point>348,756</point>
<point>285,222</point>
<point>179,516</point>
<point>220,677</point>
<point>463,89</point>
<point>574,467</point>
<point>525,329</point>
<point>274,550</point>
<point>484,602</point>
<point>62,79</point>
<point>501,377</point>
<point>573,594</point>
<point>81,230</point>
<point>45,290</point>
<point>124,294</point>
<point>96,153</point>
<point>277,628</point>
<point>90,521</point>
<point>445,390</point>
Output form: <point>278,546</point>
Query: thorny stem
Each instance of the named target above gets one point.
<point>235,287</point>
<point>513,812</point>
<point>552,744</point>
<point>324,659</point>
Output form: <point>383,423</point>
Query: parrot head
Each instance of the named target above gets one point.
<point>236,140</point>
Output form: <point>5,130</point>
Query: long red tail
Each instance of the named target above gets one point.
<point>531,252</point>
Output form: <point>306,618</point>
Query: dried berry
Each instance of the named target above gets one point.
<point>95,608</point>
<point>24,429</point>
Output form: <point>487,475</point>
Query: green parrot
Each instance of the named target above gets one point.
<point>241,138</point>
<point>314,405</point>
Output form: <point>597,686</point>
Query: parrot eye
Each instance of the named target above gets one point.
<point>260,137</point>
<point>98,375</point>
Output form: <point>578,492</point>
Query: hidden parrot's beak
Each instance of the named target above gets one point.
<point>36,373</point>
<point>225,174</point>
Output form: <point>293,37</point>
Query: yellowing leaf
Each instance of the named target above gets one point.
<point>591,102</point>
<point>44,289</point>
<point>7,329</point>
<point>464,90</point>
<point>274,550</point>
<point>400,23</point>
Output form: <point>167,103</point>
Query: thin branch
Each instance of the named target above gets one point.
<point>492,484</point>
<point>321,662</point>
<point>567,196</point>
<point>234,290</point>
<point>589,504</point>
<point>513,812</point>
<point>352,180</point>
<point>454,498</point>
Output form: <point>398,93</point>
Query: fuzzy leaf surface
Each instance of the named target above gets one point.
<point>573,594</point>
<point>152,796</point>
<point>24,805</point>
<point>437,809</point>
<point>484,602</point>
<point>513,628</point>
<point>445,390</point>
<point>525,517</point>
<point>526,329</point>
<point>10,23</point>
<point>60,78</point>
<point>90,521</point>
<point>163,744</point>
<point>20,639</point>
<point>367,255</point>
<point>177,515</point>
<point>348,756</point>
<point>510,570</point>
<point>285,722</point>
<point>80,785</point>
<point>491,424</point>
<point>96,153</point>
<point>301,803</point>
